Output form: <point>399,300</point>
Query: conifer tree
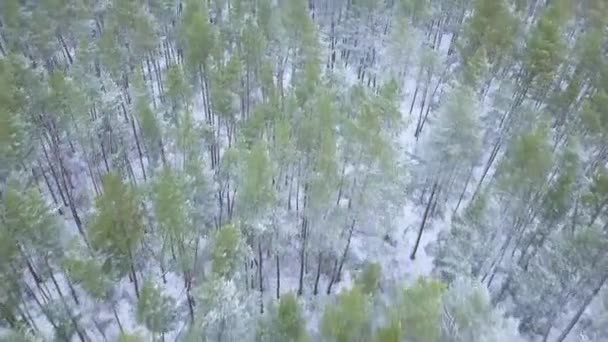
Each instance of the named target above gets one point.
<point>117,228</point>
<point>155,310</point>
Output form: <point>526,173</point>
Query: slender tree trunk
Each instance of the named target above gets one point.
<point>414,99</point>
<point>134,275</point>
<point>49,186</point>
<point>582,309</point>
<point>65,48</point>
<point>302,255</point>
<point>42,308</point>
<point>318,275</point>
<point>337,276</point>
<point>424,96</point>
<point>54,174</point>
<point>122,330</point>
<point>72,290</point>
<point>464,190</point>
<point>332,279</point>
<point>424,219</point>
<point>278,276</point>
<point>26,312</point>
<point>137,144</point>
<point>261,276</point>
<point>489,163</point>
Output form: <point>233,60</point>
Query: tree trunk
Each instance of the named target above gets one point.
<point>464,190</point>
<point>302,255</point>
<point>137,144</point>
<point>582,309</point>
<point>337,274</point>
<point>424,219</point>
<point>414,99</point>
<point>424,96</point>
<point>54,175</point>
<point>332,279</point>
<point>134,275</point>
<point>261,276</point>
<point>489,163</point>
<point>49,186</point>
<point>278,277</point>
<point>318,275</point>
<point>122,330</point>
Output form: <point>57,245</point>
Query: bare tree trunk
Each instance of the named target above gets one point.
<point>318,275</point>
<point>122,330</point>
<point>261,276</point>
<point>137,144</point>
<point>337,274</point>
<point>414,99</point>
<point>134,275</point>
<point>582,309</point>
<point>332,279</point>
<point>278,277</point>
<point>424,96</point>
<point>424,219</point>
<point>489,163</point>
<point>302,255</point>
<point>464,190</point>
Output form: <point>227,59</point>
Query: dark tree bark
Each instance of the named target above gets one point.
<point>302,255</point>
<point>424,220</point>
<point>318,274</point>
<point>278,277</point>
<point>581,309</point>
<point>261,276</point>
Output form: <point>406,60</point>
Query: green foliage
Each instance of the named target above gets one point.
<point>19,336</point>
<point>455,143</point>
<point>468,314</point>
<point>420,310</point>
<point>117,227</point>
<point>418,10</point>
<point>150,127</point>
<point>492,28</point>
<point>290,323</point>
<point>14,144</point>
<point>228,245</point>
<point>370,277</point>
<point>129,337</point>
<point>545,49</point>
<point>89,274</point>
<point>28,224</point>
<point>558,197</point>
<point>528,163</point>
<point>155,310</point>
<point>197,34</point>
<point>594,116</point>
<point>176,87</point>
<point>257,189</point>
<point>597,196</point>
<point>172,212</point>
<point>392,332</point>
<point>285,322</point>
<point>475,69</point>
<point>348,319</point>
<point>458,252</point>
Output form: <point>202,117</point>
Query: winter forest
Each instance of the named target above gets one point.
<point>304,170</point>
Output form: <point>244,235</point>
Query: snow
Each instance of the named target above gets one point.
<point>394,258</point>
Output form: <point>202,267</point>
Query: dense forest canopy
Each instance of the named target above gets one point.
<point>304,170</point>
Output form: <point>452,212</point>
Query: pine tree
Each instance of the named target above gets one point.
<point>468,314</point>
<point>419,310</point>
<point>155,310</point>
<point>348,319</point>
<point>285,322</point>
<point>117,228</point>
